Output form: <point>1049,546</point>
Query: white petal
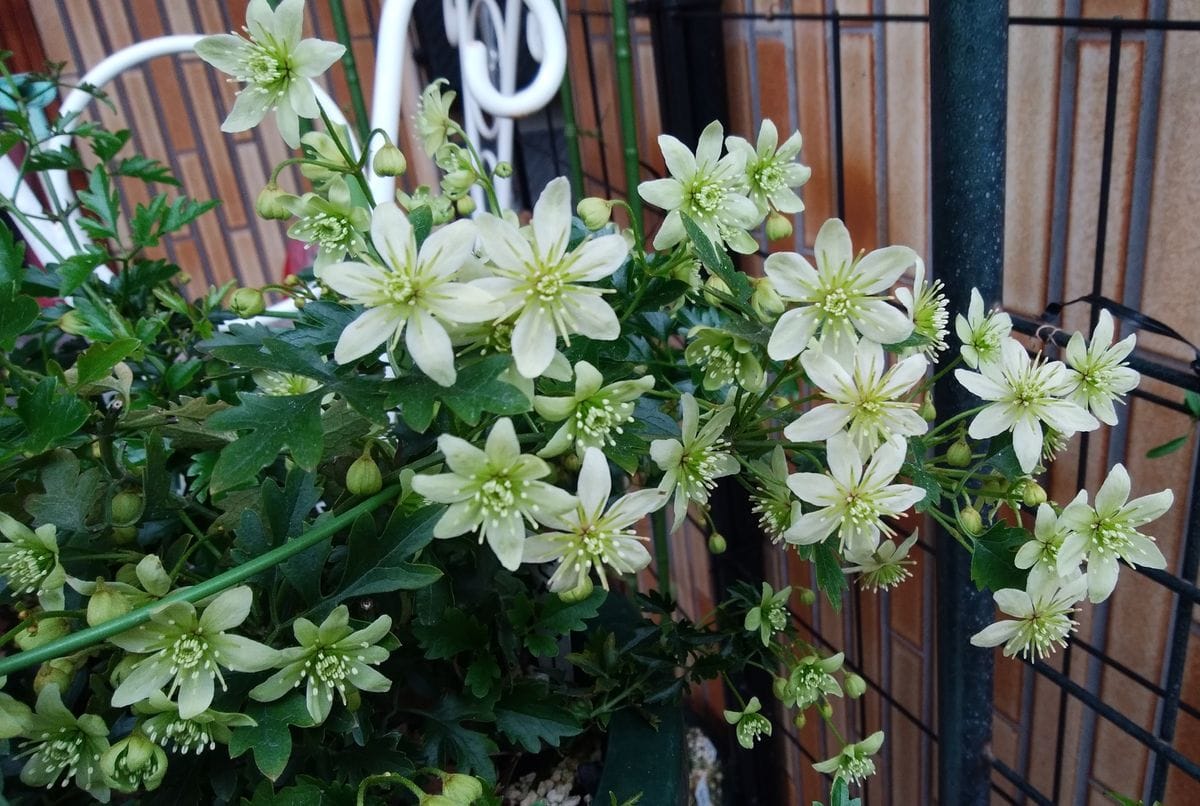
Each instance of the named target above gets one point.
<point>879,321</point>
<point>1114,492</point>
<point>533,340</point>
<point>552,220</point>
<point>995,634</point>
<point>366,333</point>
<point>598,258</point>
<point>447,249</point>
<point>664,193</point>
<point>792,333</point>
<point>429,345</point>
<point>593,317</point>
<point>503,243</point>
<point>833,247</point>
<point>879,270</point>
<point>595,482</point>
<point>792,276</point>
<point>819,423</point>
<point>678,158</point>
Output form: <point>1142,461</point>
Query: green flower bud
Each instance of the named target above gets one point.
<point>465,206</point>
<point>580,592</point>
<point>134,763</point>
<point>72,322</point>
<point>970,520</point>
<point>462,789</point>
<point>927,411</point>
<point>125,508</point>
<point>58,672</point>
<point>765,299</point>
<point>504,170</point>
<point>1033,494</point>
<point>808,597</point>
<point>42,632</point>
<point>572,463</point>
<point>825,709</point>
<point>855,686</point>
<point>716,543</point>
<point>594,212</point>
<point>247,302</point>
<point>800,721</point>
<point>779,687</point>
<point>124,535</point>
<point>389,161</point>
<point>105,604</point>
<point>270,203</point>
<point>778,226</point>
<point>363,477</point>
<point>959,454</point>
<point>457,183</point>
<point>715,284</point>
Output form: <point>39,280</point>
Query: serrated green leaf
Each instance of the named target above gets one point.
<point>17,312</point>
<point>449,742</point>
<point>12,257</point>
<point>271,739</point>
<point>75,270</point>
<point>101,199</point>
<point>457,632</point>
<point>421,219</point>
<point>97,361</point>
<point>716,260</point>
<point>477,389</point>
<point>530,717</point>
<point>830,577</point>
<point>68,495</point>
<point>106,144</point>
<point>270,424</point>
<point>50,414</point>
<point>992,561</point>
<point>145,168</point>
<point>482,675</point>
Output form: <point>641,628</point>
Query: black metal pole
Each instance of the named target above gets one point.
<point>968,45</point>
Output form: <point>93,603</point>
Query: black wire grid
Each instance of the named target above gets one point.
<point>1086,653</point>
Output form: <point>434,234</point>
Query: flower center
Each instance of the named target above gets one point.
<point>185,734</point>
<point>1041,631</point>
<point>597,420</point>
<point>328,231</point>
<point>264,68</point>
<point>496,497</point>
<point>855,766</point>
<point>26,567</point>
<point>546,284</point>
<point>719,363</point>
<point>774,516</point>
<point>836,303</point>
<point>886,576</point>
<point>698,467</point>
<point>190,652</point>
<point>400,289</point>
<point>859,509</point>
<point>330,668</point>
<point>769,176</point>
<point>1110,537</point>
<point>61,752</point>
<point>707,195</point>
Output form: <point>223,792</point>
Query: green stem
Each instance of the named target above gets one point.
<point>629,133</point>
<point>36,617</point>
<point>94,635</point>
<point>337,11</point>
<point>337,141</point>
<point>962,415</point>
<point>571,135</point>
<point>662,550</point>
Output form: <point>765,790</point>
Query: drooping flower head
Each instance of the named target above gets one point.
<point>1099,371</point>
<point>811,679</point>
<point>188,651</point>
<point>770,615</point>
<point>542,284</point>
<point>887,566</point>
<point>594,415</point>
<point>29,562</point>
<point>331,659</point>
<point>1041,617</point>
<point>1040,555</point>
<point>1108,531</point>
<point>412,294</point>
<point>852,500</point>
<point>866,398</point>
<point>495,490</point>
<point>433,120</point>
<point>840,298</point>
<point>135,762</point>
<point>691,467</point>
<point>1024,394</point>
<point>981,333</point>
<point>595,534</point>
<point>160,720</point>
<point>276,66</point>
<point>771,500</point>
<point>333,223</point>
<point>928,310</point>
<point>771,170</point>
<point>725,359</point>
<point>707,188</point>
<point>749,724</point>
<point>853,764</point>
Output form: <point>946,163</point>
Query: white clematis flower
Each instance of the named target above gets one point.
<point>1099,371</point>
<point>982,334</point>
<point>865,398</point>
<point>771,499</point>
<point>852,499</point>
<point>594,415</point>
<point>887,567</point>
<point>853,763</point>
<point>495,490</point>
<point>1108,532</point>
<point>927,309</point>
<point>1025,393</point>
<point>276,66</point>
<point>838,298</point>
<point>706,187</point>
<point>411,289</point>
<point>540,283</point>
<point>771,170</point>
<point>1041,617</point>
<point>1040,555</point>
<point>594,534</point>
<point>29,562</point>
<point>692,467</point>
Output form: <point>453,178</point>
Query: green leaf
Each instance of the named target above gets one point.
<point>106,144</point>
<point>992,562</point>
<point>1168,447</point>
<point>421,219</point>
<point>75,270</point>
<point>457,632</point>
<point>927,481</point>
<point>717,260</point>
<point>448,741</point>
<point>50,414</point>
<point>482,674</point>
<point>147,169</point>
<point>17,312</point>
<point>68,495</point>
<point>830,577</point>
<point>477,389</point>
<point>97,361</point>
<point>270,425</point>
<point>541,625</point>
<point>12,257</point>
<point>531,717</point>
<point>271,739</point>
<point>383,563</point>
<point>1192,401</point>
<point>100,198</point>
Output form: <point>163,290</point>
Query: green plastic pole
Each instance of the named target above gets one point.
<point>629,148</point>
<point>209,587</point>
<point>338,11</point>
<point>566,97</point>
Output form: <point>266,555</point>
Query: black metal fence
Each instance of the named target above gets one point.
<point>687,37</point>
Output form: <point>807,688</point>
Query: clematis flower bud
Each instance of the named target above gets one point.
<point>465,206</point>
<point>594,212</point>
<point>58,672</point>
<point>970,520</point>
<point>363,477</point>
<point>105,604</point>
<point>270,203</point>
<point>134,763</point>
<point>855,686</point>
<point>716,543</point>
<point>1033,494</point>
<point>462,789</point>
<point>504,170</point>
<point>389,161</point>
<point>247,302</point>
<point>959,454</point>
<point>765,299</point>
<point>778,226</point>
<point>580,592</point>
<point>126,508</point>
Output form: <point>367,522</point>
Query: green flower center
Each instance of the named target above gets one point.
<point>329,668</point>
<point>26,567</point>
<point>400,289</point>
<point>750,727</point>
<point>859,509</point>
<point>769,176</point>
<point>719,363</point>
<point>774,515</point>
<point>597,420</point>
<point>886,576</point>
<point>328,231</point>
<point>546,284</point>
<point>855,766</point>
<point>698,467</point>
<point>190,651</point>
<point>61,751</point>
<point>1111,537</point>
<point>707,195</point>
<point>496,497</point>
<point>836,303</point>
<point>186,734</point>
<point>1042,631</point>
